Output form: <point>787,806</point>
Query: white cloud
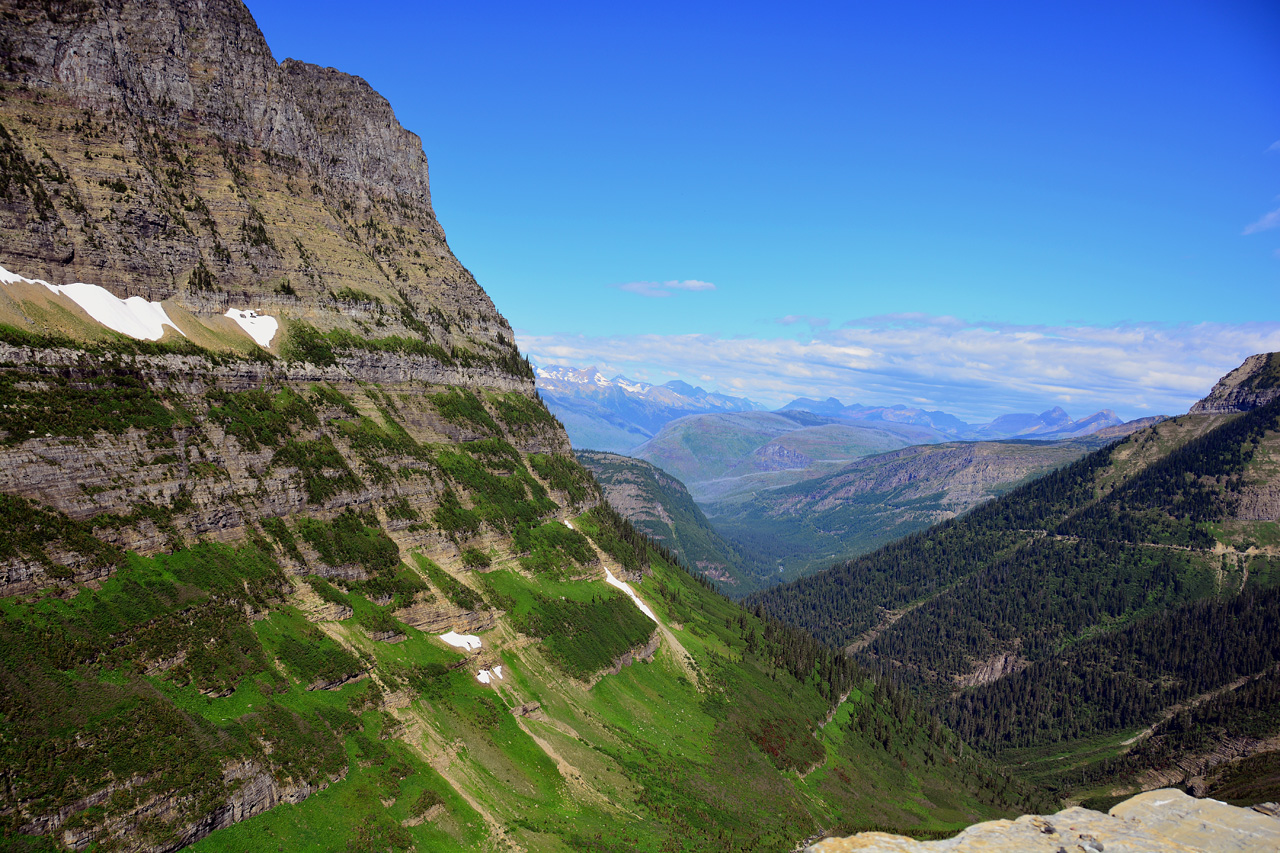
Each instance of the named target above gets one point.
<point>811,322</point>
<point>662,289</point>
<point>1266,223</point>
<point>975,371</point>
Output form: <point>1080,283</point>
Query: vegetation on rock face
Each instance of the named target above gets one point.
<point>256,418</point>
<point>95,401</point>
<point>563,475</point>
<point>457,592</point>
<point>32,532</point>
<point>351,539</point>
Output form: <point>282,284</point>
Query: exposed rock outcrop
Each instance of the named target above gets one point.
<point>1254,383</point>
<point>645,652</point>
<point>436,617</point>
<point>252,790</point>
<point>157,149</point>
<point>1164,821</point>
<point>993,668</point>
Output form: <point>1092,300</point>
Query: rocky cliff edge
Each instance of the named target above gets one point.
<point>1251,385</point>
<point>1163,821</point>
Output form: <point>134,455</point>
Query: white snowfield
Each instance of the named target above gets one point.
<point>461,641</point>
<point>138,318</point>
<point>135,316</point>
<point>261,327</point>
<point>486,676</point>
<point>612,581</point>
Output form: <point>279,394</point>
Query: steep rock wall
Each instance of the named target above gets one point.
<point>157,149</point>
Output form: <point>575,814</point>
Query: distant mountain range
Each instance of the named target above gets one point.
<point>1050,425</point>
<point>620,414</point>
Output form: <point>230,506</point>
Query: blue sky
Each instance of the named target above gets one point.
<point>981,207</point>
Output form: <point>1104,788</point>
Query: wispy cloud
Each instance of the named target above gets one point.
<point>1266,223</point>
<point>811,322</point>
<point>662,289</point>
<point>1275,146</point>
<point>976,371</point>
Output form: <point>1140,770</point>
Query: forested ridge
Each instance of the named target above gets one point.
<point>1100,599</point>
<point>1124,678</point>
<point>1046,538</point>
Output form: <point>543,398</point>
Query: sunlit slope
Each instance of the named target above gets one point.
<point>213,685</point>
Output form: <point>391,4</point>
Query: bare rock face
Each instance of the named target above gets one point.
<point>1164,821</point>
<point>436,617</point>
<point>155,147</point>
<point>992,669</point>
<point>1251,385</point>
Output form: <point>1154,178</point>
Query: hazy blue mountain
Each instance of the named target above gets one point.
<point>619,414</point>
<point>1049,425</point>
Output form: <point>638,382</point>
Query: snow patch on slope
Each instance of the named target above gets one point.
<point>135,316</point>
<point>470,642</point>
<point>486,676</point>
<point>612,581</point>
<point>261,327</point>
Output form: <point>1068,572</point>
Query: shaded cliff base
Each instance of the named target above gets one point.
<point>1163,821</point>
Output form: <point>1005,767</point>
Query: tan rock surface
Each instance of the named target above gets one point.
<point>1164,821</point>
<point>1249,386</point>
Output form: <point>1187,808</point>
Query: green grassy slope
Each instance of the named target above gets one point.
<point>288,686</point>
<point>180,666</point>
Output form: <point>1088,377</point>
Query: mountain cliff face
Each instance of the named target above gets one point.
<point>285,521</point>
<point>157,149</point>
<point>1254,383</point>
<point>660,506</point>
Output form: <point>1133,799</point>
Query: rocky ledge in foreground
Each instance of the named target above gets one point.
<point>1163,821</point>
